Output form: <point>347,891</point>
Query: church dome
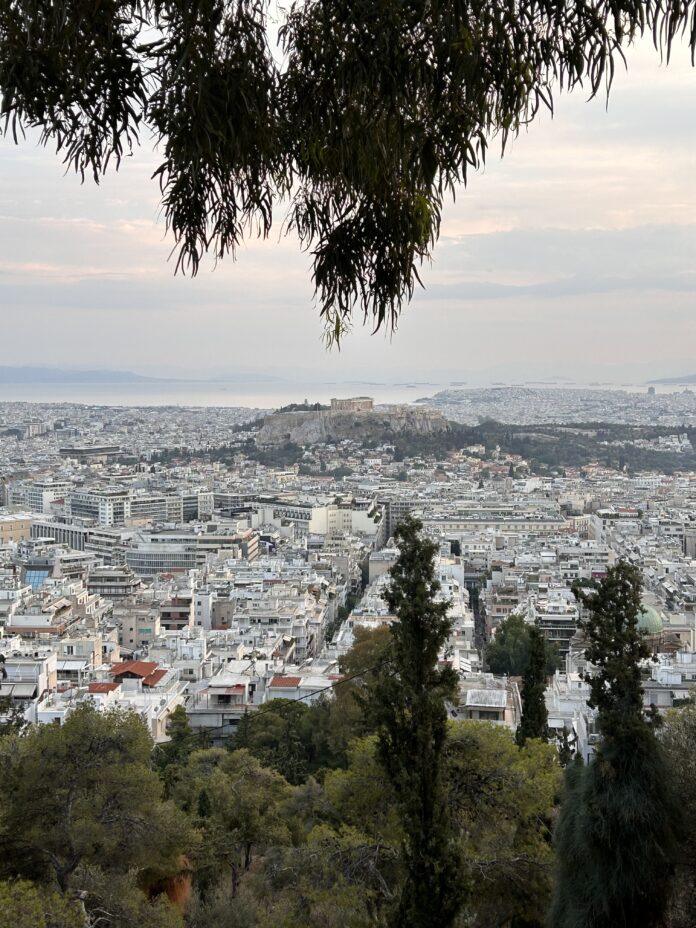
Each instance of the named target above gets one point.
<point>649,620</point>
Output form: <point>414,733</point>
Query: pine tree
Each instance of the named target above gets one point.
<point>618,828</point>
<point>407,707</point>
<point>535,717</point>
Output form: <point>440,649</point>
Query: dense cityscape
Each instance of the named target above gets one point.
<point>207,606</point>
<point>136,573</point>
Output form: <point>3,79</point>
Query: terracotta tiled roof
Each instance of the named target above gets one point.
<point>102,687</point>
<point>139,668</point>
<point>154,678</point>
<point>285,681</point>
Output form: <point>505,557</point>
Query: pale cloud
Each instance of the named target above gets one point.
<point>575,250</point>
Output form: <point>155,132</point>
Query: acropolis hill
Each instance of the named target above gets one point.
<point>354,418</point>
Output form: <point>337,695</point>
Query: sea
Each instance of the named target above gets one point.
<point>266,394</point>
<point>260,395</point>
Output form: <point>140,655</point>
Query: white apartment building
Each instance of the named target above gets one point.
<point>38,495</point>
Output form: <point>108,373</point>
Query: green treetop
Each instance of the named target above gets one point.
<point>618,828</point>
<point>616,648</point>
<point>82,812</point>
<point>502,798</point>
<point>535,717</point>
<point>25,905</point>
<point>407,708</point>
<point>508,652</point>
<point>679,739</point>
<point>236,803</point>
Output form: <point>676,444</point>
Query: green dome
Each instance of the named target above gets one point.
<point>649,620</point>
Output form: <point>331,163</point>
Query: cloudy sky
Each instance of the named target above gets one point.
<point>574,256</point>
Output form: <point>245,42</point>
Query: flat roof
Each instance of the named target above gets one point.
<point>495,699</point>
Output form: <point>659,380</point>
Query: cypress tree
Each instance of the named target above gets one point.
<point>407,708</point>
<point>618,827</point>
<point>535,717</point>
<point>566,748</point>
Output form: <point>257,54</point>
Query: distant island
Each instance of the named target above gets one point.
<point>42,375</point>
<point>58,375</point>
<point>689,378</point>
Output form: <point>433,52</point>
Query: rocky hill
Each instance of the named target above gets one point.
<point>381,424</point>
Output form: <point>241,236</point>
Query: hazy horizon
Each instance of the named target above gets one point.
<point>508,374</point>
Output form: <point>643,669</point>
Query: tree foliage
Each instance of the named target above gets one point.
<point>82,813</point>
<point>86,834</point>
<point>509,651</point>
<point>333,880</point>
<point>289,736</point>
<point>300,740</point>
<point>103,805</point>
<point>361,667</point>
<point>615,649</point>
<point>408,711</point>
<point>372,113</point>
<point>25,905</point>
<point>503,799</point>
<point>618,830</point>
<point>362,798</point>
<point>236,803</point>
<point>169,756</point>
<point>12,717</point>
<point>535,717</point>
<point>679,739</point>
<point>500,800</point>
<point>117,900</point>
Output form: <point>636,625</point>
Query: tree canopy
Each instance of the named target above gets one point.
<point>509,651</point>
<point>535,717</point>
<point>368,115</point>
<point>24,905</point>
<point>619,828</point>
<point>678,737</point>
<point>103,807</point>
<point>407,707</point>
<point>99,828</point>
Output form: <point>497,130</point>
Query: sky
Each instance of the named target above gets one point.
<point>571,257</point>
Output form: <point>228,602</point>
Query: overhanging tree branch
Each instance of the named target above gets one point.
<point>379,110</point>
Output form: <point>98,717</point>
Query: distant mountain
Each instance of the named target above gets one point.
<point>58,375</point>
<point>689,378</point>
